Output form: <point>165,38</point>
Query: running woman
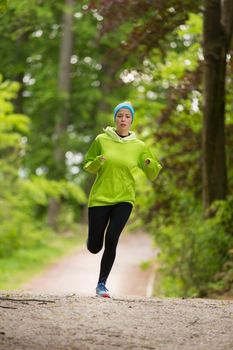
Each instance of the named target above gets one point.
<point>113,156</point>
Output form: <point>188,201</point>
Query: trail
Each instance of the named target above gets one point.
<point>42,322</point>
<point>58,310</point>
<point>79,272</point>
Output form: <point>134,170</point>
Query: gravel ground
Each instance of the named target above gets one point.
<point>58,310</point>
<point>35,321</point>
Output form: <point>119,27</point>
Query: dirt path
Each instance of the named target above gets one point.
<point>54,320</point>
<point>83,323</point>
<point>78,273</point>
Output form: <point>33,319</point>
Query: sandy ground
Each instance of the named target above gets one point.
<point>79,272</point>
<point>39,322</point>
<point>58,310</point>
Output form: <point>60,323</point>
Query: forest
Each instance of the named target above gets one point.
<point>64,66</point>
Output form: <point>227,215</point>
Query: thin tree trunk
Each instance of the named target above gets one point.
<point>64,87</point>
<point>20,44</point>
<point>217,33</point>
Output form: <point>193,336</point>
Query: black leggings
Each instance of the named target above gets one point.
<point>115,217</point>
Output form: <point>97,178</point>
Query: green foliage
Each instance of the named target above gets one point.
<point>193,251</point>
<point>172,104</point>
<point>223,220</point>
<point>21,226</point>
<point>3,6</point>
<point>16,225</point>
<point>40,190</point>
<point>27,261</point>
<point>147,53</point>
<point>19,232</point>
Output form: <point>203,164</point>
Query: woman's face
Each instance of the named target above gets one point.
<point>123,120</point>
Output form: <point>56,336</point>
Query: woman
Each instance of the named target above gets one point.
<point>113,156</point>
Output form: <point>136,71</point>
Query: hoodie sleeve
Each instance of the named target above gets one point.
<point>92,160</point>
<point>153,168</point>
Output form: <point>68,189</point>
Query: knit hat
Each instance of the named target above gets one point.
<point>126,105</point>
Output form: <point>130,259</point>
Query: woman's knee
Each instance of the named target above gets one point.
<point>94,249</point>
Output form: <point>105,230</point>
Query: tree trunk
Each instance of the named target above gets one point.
<point>64,87</point>
<point>218,17</point>
<point>20,44</point>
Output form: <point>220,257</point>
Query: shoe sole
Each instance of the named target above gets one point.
<point>103,296</point>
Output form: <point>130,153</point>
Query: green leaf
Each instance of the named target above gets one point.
<point>3,6</point>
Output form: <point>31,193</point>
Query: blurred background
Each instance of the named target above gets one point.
<point>64,66</point>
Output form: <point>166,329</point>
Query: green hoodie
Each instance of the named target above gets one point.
<point>114,182</point>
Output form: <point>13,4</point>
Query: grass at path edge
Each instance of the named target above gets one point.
<point>26,263</point>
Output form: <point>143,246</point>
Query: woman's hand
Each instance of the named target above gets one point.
<point>102,158</point>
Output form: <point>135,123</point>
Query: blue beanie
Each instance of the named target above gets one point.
<point>123,105</point>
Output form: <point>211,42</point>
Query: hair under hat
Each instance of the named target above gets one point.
<point>126,105</point>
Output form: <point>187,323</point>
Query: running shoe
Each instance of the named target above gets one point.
<point>102,291</point>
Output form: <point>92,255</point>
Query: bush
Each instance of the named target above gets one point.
<point>195,250</point>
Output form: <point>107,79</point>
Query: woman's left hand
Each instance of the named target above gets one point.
<point>147,161</point>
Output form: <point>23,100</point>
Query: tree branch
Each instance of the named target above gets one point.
<point>23,300</point>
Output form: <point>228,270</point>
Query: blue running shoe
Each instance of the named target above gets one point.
<point>102,291</point>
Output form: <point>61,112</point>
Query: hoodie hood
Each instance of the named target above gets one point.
<point>111,132</point>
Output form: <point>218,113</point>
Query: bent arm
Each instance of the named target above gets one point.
<point>93,159</point>
<point>149,164</point>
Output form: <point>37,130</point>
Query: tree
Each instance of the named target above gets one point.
<point>218,27</point>
<point>64,87</point>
